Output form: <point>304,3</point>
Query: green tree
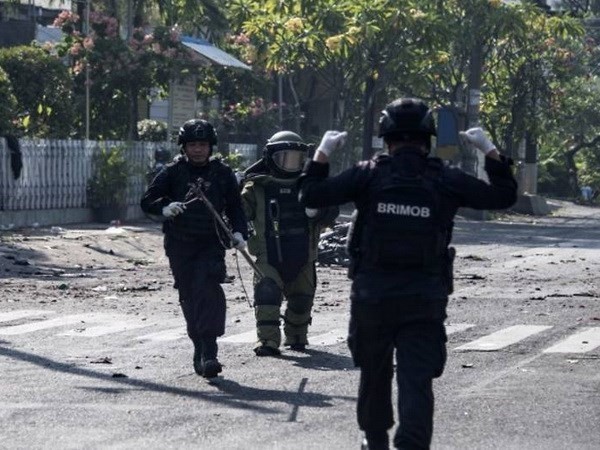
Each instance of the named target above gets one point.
<point>352,48</point>
<point>43,89</point>
<point>8,106</point>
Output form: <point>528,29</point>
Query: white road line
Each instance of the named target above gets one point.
<point>457,327</point>
<point>584,341</point>
<point>330,338</point>
<point>503,338</point>
<point>22,313</point>
<point>172,334</point>
<point>241,338</point>
<point>114,327</point>
<point>52,323</point>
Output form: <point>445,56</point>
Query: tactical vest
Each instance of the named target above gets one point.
<point>286,229</point>
<point>197,222</point>
<point>403,227</point>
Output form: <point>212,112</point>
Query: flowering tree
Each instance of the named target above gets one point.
<point>120,71</point>
<point>255,116</point>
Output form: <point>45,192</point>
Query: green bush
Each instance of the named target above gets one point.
<point>108,184</point>
<point>152,130</point>
<point>42,86</point>
<point>8,105</point>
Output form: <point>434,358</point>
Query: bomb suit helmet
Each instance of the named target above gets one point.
<point>285,154</point>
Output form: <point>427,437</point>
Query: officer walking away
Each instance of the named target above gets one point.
<point>284,243</point>
<point>401,263</point>
<point>193,241</point>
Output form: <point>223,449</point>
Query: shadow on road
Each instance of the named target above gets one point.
<point>300,398</point>
<point>239,396</point>
<point>319,360</point>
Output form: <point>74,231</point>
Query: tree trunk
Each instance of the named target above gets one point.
<point>132,133</point>
<point>572,171</point>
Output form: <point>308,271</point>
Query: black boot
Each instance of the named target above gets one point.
<point>211,367</point>
<point>378,440</point>
<point>198,358</point>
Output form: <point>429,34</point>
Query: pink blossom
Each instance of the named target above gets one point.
<point>241,39</point>
<point>76,49</point>
<point>78,67</point>
<point>88,43</point>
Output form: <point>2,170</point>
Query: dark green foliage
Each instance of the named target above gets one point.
<point>108,184</point>
<point>8,103</point>
<point>42,87</point>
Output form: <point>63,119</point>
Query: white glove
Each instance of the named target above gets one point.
<point>476,136</point>
<point>311,212</point>
<point>173,209</point>
<point>332,140</point>
<point>238,241</point>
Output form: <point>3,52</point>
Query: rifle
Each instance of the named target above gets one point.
<point>199,195</point>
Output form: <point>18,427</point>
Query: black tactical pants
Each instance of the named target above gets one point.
<point>198,271</point>
<point>376,330</point>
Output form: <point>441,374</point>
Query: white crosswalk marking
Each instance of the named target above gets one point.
<point>41,325</point>
<point>581,342</point>
<point>23,313</point>
<point>172,334</point>
<point>241,338</point>
<point>452,328</point>
<point>100,324</point>
<point>330,338</point>
<point>54,323</point>
<point>503,338</point>
<point>116,326</point>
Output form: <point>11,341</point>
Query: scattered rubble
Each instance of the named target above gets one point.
<point>332,246</point>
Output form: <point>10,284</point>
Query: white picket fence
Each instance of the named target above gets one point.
<point>56,172</point>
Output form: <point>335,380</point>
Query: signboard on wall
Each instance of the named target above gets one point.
<point>182,101</point>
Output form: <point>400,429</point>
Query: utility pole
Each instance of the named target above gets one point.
<point>87,76</point>
<point>473,163</point>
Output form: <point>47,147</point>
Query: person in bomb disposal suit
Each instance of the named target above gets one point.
<point>193,242</point>
<point>284,242</point>
<point>401,261</point>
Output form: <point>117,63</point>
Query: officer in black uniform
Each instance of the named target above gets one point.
<point>401,262</point>
<point>193,242</point>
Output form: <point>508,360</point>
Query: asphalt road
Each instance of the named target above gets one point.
<point>93,352</point>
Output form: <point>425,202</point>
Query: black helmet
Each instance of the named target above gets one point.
<point>162,155</point>
<point>195,130</point>
<point>407,118</point>
<point>285,154</point>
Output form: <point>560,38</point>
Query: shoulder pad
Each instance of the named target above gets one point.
<point>179,159</point>
<point>219,165</point>
<point>435,163</point>
<point>381,158</point>
<point>257,177</point>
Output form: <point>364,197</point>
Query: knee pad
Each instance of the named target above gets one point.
<point>266,292</point>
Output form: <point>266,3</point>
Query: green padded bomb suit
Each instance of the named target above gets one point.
<point>284,243</point>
